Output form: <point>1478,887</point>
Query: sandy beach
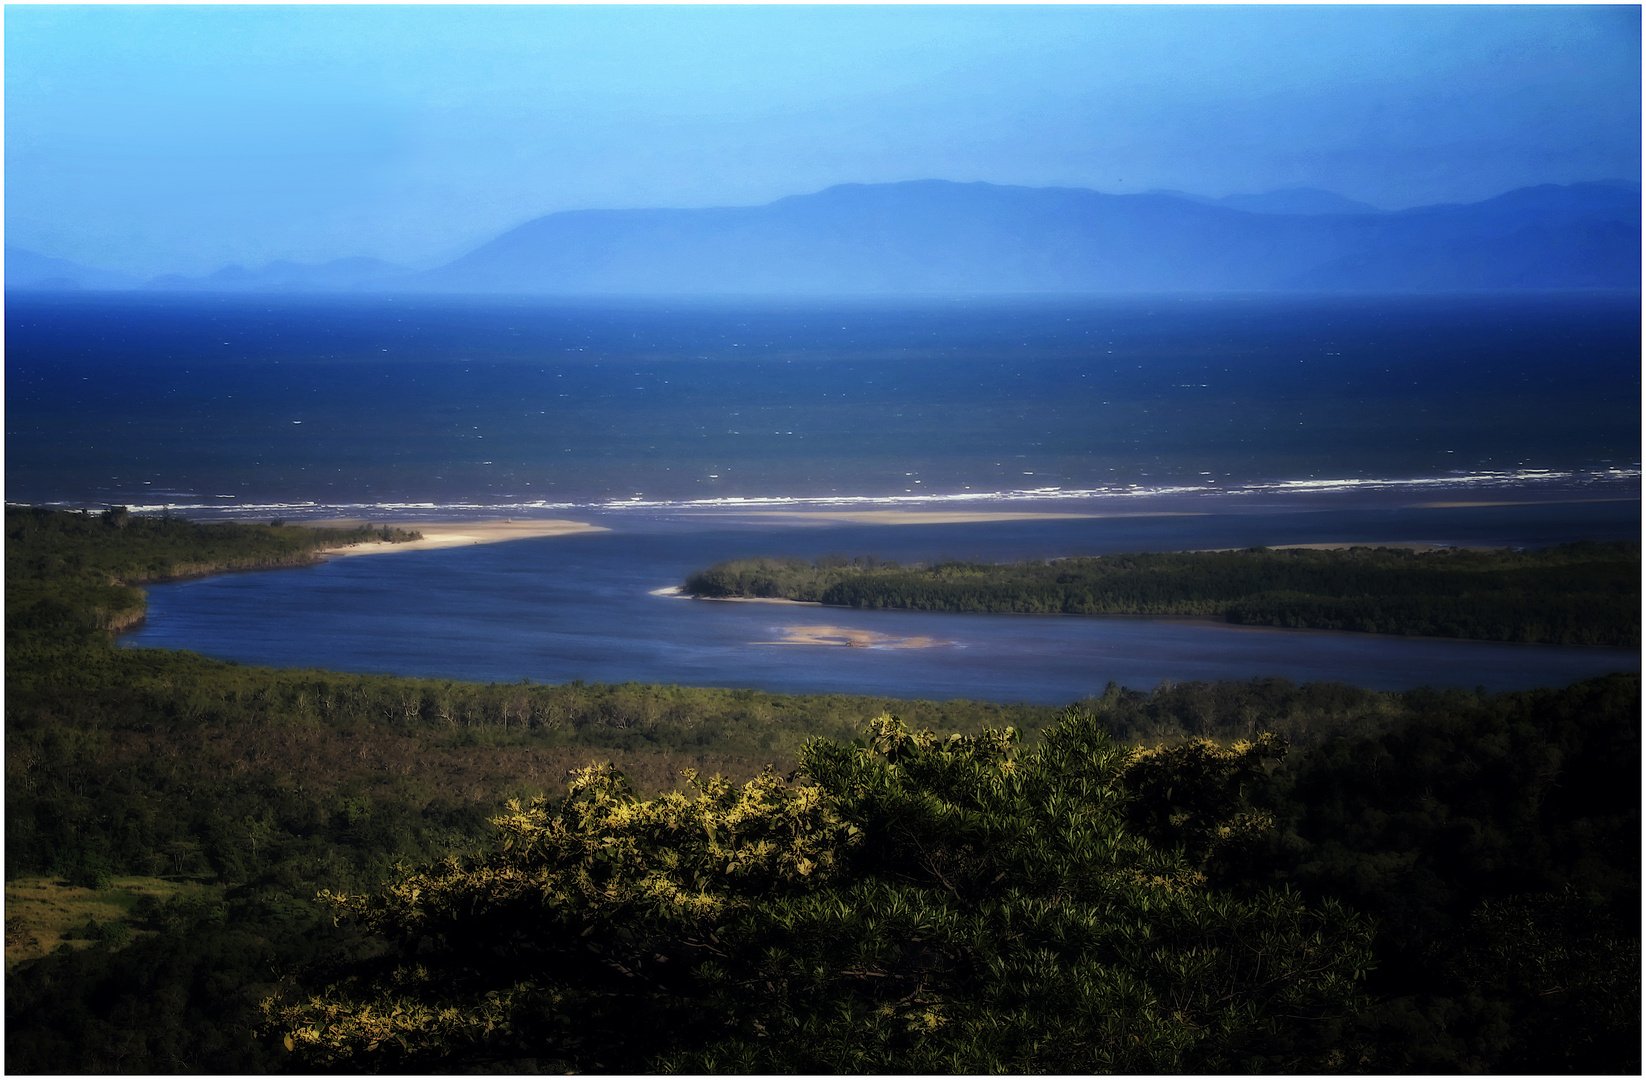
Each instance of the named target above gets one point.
<point>456,534</point>
<point>930,517</point>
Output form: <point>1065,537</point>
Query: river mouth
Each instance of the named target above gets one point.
<point>595,606</point>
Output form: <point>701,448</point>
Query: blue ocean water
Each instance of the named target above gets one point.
<point>219,404</point>
<point>1219,421</point>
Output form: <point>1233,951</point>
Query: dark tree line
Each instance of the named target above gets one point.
<point>71,573</point>
<point>1570,594</point>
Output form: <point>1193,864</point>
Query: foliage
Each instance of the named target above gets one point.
<point>1575,594</point>
<point>914,904</point>
<point>961,909</point>
<point>181,997</point>
<point>145,762</point>
<point>1474,796</point>
<point>43,912</point>
<point>1496,840</point>
<point>73,576</point>
<point>1306,716</point>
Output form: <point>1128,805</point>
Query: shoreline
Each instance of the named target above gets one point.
<point>438,535</point>
<point>676,592</point>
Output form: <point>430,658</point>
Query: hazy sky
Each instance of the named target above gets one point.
<point>152,139</point>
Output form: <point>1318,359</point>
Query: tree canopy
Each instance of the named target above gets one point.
<point>906,903</point>
<point>1570,594</point>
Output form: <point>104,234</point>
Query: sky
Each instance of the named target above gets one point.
<point>155,139</point>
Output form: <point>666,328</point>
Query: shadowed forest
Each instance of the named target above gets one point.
<point>220,868</point>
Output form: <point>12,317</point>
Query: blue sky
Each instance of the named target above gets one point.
<point>170,138</point>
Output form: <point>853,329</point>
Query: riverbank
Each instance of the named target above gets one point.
<point>458,534</point>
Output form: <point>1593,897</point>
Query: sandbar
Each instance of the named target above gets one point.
<point>933,517</point>
<point>677,591</point>
<point>848,637</point>
<point>1519,502</point>
<point>457,534</point>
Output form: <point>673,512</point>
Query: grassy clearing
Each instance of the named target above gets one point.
<point>43,912</point>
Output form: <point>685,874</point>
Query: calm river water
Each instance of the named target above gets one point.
<point>582,607</point>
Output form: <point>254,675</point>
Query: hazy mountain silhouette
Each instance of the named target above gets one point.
<point>339,275</point>
<point>30,271</point>
<point>1295,200</point>
<point>936,236</point>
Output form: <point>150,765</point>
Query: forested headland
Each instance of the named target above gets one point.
<point>61,567</point>
<point>1198,877</point>
<point>1569,594</point>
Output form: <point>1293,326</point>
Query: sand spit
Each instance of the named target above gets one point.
<point>848,637</point>
<point>677,591</point>
<point>459,534</point>
<point>1519,502</point>
<point>930,517</point>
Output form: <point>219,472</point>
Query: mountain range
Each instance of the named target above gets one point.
<point>941,237</point>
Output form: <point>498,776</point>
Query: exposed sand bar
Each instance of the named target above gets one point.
<point>929,517</point>
<point>1518,502</point>
<point>457,534</point>
<point>677,591</point>
<point>849,637</point>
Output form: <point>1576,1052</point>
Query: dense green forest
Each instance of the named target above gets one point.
<point>1299,878</point>
<point>62,566</point>
<point>1569,594</point>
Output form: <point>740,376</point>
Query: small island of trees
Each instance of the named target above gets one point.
<point>1569,594</point>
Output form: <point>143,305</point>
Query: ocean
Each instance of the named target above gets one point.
<point>1179,422</point>
<point>305,407</point>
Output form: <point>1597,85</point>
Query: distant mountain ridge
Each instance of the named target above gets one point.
<point>31,271</point>
<point>283,276</point>
<point>1297,200</point>
<point>942,237</point>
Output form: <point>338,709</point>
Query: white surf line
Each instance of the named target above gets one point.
<point>1527,478</point>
